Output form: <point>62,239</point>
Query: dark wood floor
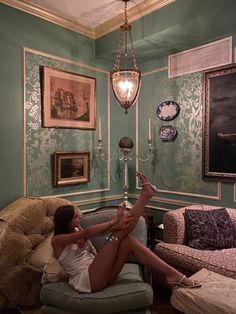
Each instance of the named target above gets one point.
<point>162,294</point>
<point>161,302</point>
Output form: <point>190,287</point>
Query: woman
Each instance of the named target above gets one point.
<point>90,273</point>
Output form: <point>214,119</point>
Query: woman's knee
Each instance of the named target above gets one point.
<point>126,242</point>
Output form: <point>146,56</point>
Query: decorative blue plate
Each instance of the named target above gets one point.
<point>168,110</point>
<point>168,133</point>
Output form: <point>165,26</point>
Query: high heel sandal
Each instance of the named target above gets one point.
<point>176,284</point>
<point>153,187</point>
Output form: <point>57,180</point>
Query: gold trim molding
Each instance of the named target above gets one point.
<point>134,13</point>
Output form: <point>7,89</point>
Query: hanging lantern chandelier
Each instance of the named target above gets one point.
<point>125,76</point>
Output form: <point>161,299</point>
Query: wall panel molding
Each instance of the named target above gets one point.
<point>159,87</point>
<point>25,167</point>
<point>174,202</point>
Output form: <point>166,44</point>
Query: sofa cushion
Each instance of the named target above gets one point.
<point>14,246</point>
<point>192,260</point>
<point>42,260</point>
<point>128,292</point>
<point>25,215</point>
<point>52,203</point>
<point>209,229</point>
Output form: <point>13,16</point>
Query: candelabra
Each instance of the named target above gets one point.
<point>126,145</point>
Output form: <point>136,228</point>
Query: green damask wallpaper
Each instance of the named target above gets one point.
<point>41,143</point>
<point>175,167</point>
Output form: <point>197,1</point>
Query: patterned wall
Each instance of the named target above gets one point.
<point>41,143</point>
<point>175,167</point>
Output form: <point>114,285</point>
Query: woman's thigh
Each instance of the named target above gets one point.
<point>100,270</point>
<point>101,267</point>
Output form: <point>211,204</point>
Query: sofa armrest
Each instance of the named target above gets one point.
<point>174,226</point>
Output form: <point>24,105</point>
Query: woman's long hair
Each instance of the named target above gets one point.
<point>62,219</point>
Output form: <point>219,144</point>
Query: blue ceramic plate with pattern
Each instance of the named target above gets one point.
<point>168,110</point>
<point>168,133</point>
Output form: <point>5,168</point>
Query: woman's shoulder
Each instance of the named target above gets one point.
<point>57,245</point>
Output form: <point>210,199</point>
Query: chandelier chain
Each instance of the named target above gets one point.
<point>125,28</point>
<point>126,16</point>
<point>132,51</point>
<point>118,54</point>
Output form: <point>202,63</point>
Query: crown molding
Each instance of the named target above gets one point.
<point>49,16</point>
<point>134,13</point>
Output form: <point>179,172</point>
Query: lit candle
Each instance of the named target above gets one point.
<point>149,130</point>
<point>99,130</point>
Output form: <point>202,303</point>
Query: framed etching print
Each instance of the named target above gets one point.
<point>219,124</point>
<point>71,168</point>
<point>68,100</point>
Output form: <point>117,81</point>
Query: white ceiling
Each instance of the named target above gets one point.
<point>89,13</point>
<point>93,18</point>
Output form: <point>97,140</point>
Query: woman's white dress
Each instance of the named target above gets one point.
<point>75,261</point>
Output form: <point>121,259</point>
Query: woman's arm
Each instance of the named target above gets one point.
<point>86,233</point>
<point>121,221</point>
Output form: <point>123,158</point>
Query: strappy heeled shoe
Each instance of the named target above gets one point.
<point>153,187</point>
<point>176,284</point>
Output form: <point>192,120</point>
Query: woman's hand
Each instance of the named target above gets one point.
<point>123,219</point>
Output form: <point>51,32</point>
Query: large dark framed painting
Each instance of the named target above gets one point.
<point>68,100</point>
<point>71,168</point>
<point>219,124</point>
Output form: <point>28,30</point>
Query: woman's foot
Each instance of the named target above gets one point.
<point>147,187</point>
<point>184,282</point>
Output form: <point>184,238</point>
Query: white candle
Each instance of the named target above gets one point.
<point>149,130</point>
<point>99,130</point>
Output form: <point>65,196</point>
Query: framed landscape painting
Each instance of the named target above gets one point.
<point>219,124</point>
<point>68,100</point>
<point>71,168</point>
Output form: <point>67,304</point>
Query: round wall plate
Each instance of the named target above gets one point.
<point>168,133</point>
<point>167,110</point>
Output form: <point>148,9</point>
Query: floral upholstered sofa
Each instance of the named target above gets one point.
<point>26,224</point>
<point>176,250</point>
<point>30,276</point>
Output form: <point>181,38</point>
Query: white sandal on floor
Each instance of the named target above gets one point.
<point>176,284</point>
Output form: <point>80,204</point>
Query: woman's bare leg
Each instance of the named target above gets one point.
<point>145,256</point>
<point>101,268</point>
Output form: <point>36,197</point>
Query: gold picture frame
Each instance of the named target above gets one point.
<point>68,100</point>
<point>71,168</point>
